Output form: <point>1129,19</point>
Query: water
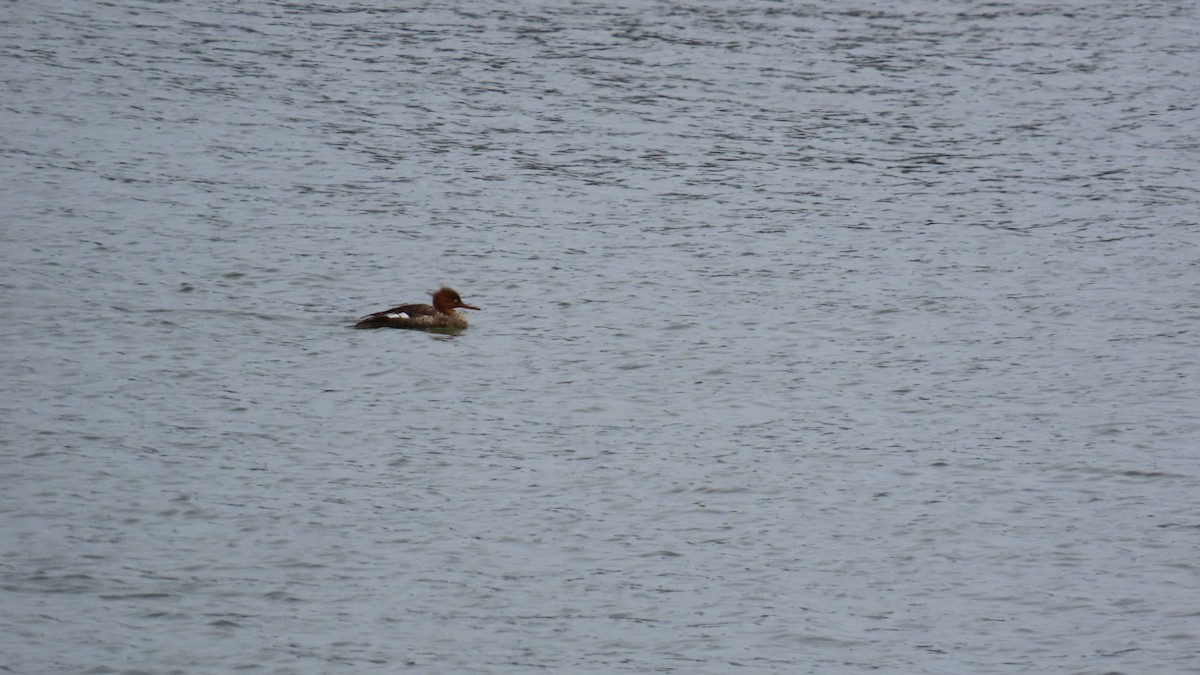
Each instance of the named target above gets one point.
<point>815,337</point>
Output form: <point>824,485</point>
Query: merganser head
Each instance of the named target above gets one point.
<point>446,299</point>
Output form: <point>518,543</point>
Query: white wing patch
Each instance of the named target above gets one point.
<point>398,315</point>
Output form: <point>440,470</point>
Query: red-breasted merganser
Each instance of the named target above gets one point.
<point>441,316</point>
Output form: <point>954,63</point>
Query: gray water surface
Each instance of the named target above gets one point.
<point>816,337</point>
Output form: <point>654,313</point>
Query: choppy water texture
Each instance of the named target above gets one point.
<point>816,337</point>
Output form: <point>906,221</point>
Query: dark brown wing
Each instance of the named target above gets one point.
<point>389,317</point>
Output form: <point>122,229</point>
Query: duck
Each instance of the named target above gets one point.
<point>439,316</point>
